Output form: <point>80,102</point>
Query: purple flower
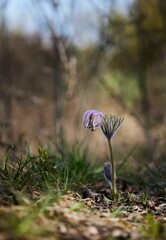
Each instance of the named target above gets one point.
<point>92,119</point>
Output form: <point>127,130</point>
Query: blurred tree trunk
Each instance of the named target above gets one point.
<point>142,80</point>
<point>64,73</point>
<point>162,8</point>
<point>64,82</point>
<point>5,77</point>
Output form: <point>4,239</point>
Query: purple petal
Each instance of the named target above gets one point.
<point>92,119</point>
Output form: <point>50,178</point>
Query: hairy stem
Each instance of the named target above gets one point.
<point>113,167</point>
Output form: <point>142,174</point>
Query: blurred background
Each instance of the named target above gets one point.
<point>59,58</point>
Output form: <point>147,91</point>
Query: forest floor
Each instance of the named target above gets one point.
<point>44,197</point>
<point>83,215</point>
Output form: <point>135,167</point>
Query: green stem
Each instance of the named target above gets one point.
<point>113,167</point>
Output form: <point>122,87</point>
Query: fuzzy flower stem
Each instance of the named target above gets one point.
<point>113,167</point>
<point>109,126</point>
